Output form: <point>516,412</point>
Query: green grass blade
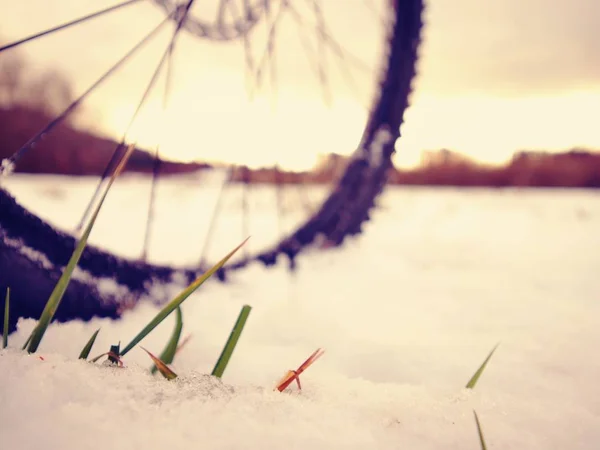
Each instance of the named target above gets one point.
<point>60,288</point>
<point>173,304</point>
<point>28,340</point>
<point>473,381</point>
<point>481,439</point>
<point>88,347</point>
<point>231,342</point>
<point>168,353</point>
<point>6,311</point>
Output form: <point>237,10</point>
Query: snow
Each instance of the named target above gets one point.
<point>406,313</point>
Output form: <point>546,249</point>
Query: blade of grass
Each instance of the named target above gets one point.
<point>30,336</point>
<point>88,347</point>
<point>168,353</point>
<point>481,439</point>
<point>162,367</point>
<point>28,340</point>
<point>286,380</point>
<point>473,381</point>
<point>6,311</point>
<point>293,375</point>
<point>234,336</point>
<point>60,288</point>
<point>173,304</point>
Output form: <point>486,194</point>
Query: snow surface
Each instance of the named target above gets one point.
<point>406,313</point>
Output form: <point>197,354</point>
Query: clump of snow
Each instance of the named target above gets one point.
<point>104,284</point>
<point>406,314</point>
<point>32,254</point>
<point>374,154</point>
<point>7,167</point>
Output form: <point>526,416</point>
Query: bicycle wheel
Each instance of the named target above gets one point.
<point>33,252</point>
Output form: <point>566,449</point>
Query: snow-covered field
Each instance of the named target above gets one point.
<point>406,313</point>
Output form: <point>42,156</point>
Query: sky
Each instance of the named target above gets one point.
<point>494,77</point>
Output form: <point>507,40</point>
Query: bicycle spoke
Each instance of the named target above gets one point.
<point>66,25</point>
<point>245,207</point>
<point>157,159</point>
<point>279,186</point>
<point>271,56</point>
<point>370,4</point>
<point>229,175</point>
<point>304,197</point>
<point>223,4</point>
<point>268,48</point>
<point>322,58</point>
<point>248,55</point>
<point>149,87</point>
<point>341,52</point>
<point>308,51</point>
<point>220,31</point>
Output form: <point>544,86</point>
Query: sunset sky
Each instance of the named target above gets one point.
<point>495,76</point>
